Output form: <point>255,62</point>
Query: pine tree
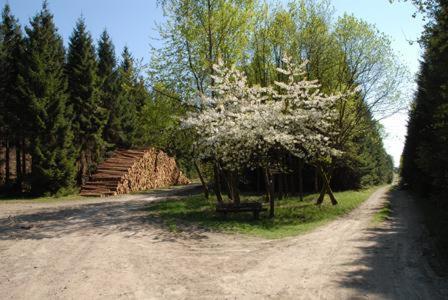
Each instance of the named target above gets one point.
<point>131,98</point>
<point>108,89</point>
<point>87,115</point>
<point>44,86</point>
<point>11,102</point>
<point>425,157</point>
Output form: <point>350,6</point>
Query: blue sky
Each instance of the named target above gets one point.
<point>132,23</point>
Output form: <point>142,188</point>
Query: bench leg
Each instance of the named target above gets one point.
<point>256,214</point>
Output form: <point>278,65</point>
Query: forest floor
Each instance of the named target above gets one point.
<point>107,249</point>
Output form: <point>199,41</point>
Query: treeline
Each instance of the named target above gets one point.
<point>424,166</point>
<point>62,110</point>
<point>343,54</point>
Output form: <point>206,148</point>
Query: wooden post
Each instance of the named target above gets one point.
<point>321,197</point>
<point>326,189</point>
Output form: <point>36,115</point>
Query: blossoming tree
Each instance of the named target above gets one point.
<point>244,126</point>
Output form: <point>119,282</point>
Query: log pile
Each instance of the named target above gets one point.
<point>129,171</point>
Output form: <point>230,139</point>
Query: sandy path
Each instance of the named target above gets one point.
<point>104,250</point>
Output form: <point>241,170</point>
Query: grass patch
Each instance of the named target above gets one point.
<point>383,214</point>
<point>292,216</point>
<point>45,199</point>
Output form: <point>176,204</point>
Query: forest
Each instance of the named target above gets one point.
<point>424,165</point>
<point>322,83</point>
<point>240,155</point>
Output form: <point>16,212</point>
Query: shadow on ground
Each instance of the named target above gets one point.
<point>129,217</point>
<point>397,254</point>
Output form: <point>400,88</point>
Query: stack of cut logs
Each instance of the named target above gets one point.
<point>133,171</point>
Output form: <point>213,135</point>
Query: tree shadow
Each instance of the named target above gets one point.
<point>105,218</point>
<point>394,265</point>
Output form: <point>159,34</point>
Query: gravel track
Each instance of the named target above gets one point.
<point>109,249</point>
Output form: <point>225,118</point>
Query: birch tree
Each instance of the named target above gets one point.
<point>195,35</point>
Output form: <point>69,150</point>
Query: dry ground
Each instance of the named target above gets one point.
<point>109,248</point>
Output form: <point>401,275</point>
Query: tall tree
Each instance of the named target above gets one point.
<point>88,117</point>
<point>108,88</point>
<point>132,95</point>
<point>44,86</point>
<point>342,55</point>
<point>196,35</point>
<point>425,163</point>
<point>11,117</point>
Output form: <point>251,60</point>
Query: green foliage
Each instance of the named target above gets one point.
<point>159,126</point>
<point>425,157</point>
<point>160,118</point>
<point>342,55</point>
<point>132,95</point>
<point>108,88</point>
<point>292,216</point>
<point>74,115</point>
<point>12,117</point>
<point>11,53</point>
<point>44,88</point>
<point>88,117</point>
<point>198,33</point>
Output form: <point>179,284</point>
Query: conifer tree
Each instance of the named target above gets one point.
<point>11,128</point>
<point>131,98</point>
<point>87,115</point>
<point>44,86</point>
<point>425,162</point>
<point>108,88</point>
<point>11,107</point>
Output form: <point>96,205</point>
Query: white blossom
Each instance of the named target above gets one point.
<point>240,125</point>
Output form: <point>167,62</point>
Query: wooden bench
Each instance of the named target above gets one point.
<point>254,207</point>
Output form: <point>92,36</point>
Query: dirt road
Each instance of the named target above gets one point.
<point>109,250</point>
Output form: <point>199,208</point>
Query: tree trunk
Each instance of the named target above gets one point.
<point>233,187</point>
<point>228,180</point>
<point>23,157</point>
<point>217,178</point>
<point>19,174</point>
<point>270,192</point>
<point>204,185</point>
<point>301,180</point>
<point>7,162</point>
